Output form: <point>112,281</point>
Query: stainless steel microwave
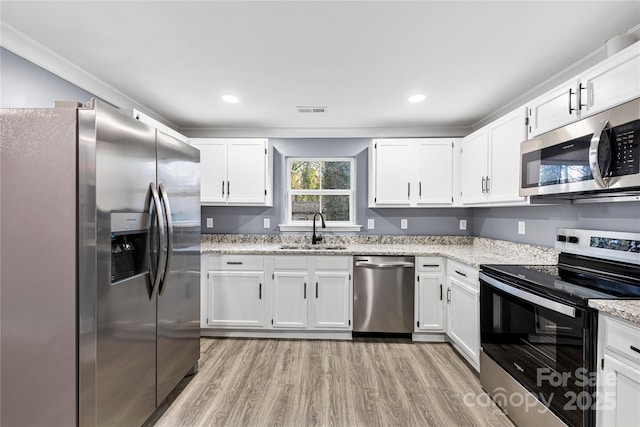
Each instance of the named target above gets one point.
<point>596,157</point>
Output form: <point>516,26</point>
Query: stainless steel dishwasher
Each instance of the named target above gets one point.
<point>383,289</point>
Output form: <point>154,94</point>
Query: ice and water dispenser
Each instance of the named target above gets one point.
<point>129,239</point>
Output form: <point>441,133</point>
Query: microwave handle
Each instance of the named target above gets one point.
<point>593,154</point>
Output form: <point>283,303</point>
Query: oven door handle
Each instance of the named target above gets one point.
<point>594,154</point>
<point>532,298</point>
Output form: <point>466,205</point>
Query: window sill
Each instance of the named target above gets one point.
<point>334,227</point>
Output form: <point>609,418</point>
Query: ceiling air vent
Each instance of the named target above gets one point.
<point>311,109</point>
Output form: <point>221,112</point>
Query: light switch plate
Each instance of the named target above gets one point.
<point>266,223</point>
<point>521,228</point>
<point>209,222</point>
<point>371,224</point>
<point>403,223</point>
<point>463,224</point>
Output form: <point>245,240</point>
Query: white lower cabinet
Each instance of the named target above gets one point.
<point>463,310</point>
<point>618,374</point>
<point>278,294</point>
<point>290,299</point>
<point>332,300</point>
<point>429,295</point>
<point>235,299</point>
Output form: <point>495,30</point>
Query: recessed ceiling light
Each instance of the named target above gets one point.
<point>416,98</point>
<point>231,99</point>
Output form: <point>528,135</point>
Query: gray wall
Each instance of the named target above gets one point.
<point>25,85</point>
<point>541,221</point>
<point>441,221</point>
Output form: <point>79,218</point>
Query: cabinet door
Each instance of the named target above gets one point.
<point>430,316</point>
<point>463,315</point>
<point>392,173</point>
<point>235,299</point>
<point>554,109</point>
<point>435,172</point>
<point>505,136</point>
<point>332,302</point>
<point>290,292</point>
<point>620,398</point>
<point>474,167</point>
<point>213,174</point>
<point>614,81</point>
<point>246,171</point>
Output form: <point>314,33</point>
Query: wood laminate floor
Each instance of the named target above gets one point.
<point>260,382</point>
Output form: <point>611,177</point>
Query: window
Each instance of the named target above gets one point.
<point>320,185</point>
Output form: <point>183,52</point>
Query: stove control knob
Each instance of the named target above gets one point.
<point>572,239</point>
<point>562,238</point>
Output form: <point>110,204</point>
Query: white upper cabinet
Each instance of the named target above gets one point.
<point>612,82</point>
<point>411,172</point>
<point>235,171</point>
<point>491,162</point>
<point>392,172</point>
<point>474,167</point>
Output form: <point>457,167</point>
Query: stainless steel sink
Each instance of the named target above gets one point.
<point>315,247</point>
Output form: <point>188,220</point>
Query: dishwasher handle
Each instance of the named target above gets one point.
<point>368,264</point>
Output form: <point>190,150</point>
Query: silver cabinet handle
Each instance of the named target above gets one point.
<point>448,295</point>
<point>169,250</point>
<point>580,89</point>
<point>228,191</point>
<point>440,292</point>
<point>571,109</point>
<point>431,265</point>
<point>408,190</point>
<point>460,273</point>
<point>594,151</point>
<point>634,348</point>
<point>316,289</point>
<point>260,291</point>
<point>222,188</point>
<point>420,189</point>
<point>484,183</point>
<point>305,290</point>
<point>234,262</point>
<point>488,188</point>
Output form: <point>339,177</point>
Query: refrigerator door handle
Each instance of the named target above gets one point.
<point>163,239</point>
<point>169,251</point>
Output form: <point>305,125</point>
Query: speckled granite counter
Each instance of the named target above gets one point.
<point>469,250</point>
<point>625,309</point>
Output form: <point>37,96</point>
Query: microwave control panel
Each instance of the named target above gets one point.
<point>626,148</point>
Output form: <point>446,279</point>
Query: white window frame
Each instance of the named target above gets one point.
<point>291,225</point>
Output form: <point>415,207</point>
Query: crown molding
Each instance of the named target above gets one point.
<point>29,49</point>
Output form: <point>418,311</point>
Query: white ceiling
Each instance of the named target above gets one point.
<point>360,59</point>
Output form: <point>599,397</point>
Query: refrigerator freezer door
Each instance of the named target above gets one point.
<point>178,347</point>
<point>125,165</point>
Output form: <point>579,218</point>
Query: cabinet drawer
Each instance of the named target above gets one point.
<point>236,262</point>
<point>463,272</point>
<point>333,263</point>
<point>290,262</point>
<point>622,338</point>
<point>429,264</point>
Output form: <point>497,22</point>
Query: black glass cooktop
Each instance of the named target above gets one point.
<point>574,282</point>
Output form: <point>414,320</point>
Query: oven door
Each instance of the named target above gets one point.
<point>543,344</point>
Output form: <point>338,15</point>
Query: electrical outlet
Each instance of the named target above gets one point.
<point>521,228</point>
<point>371,224</point>
<point>209,222</point>
<point>403,224</point>
<point>463,224</point>
<point>266,223</point>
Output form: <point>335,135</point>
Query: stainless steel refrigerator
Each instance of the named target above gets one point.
<point>100,266</point>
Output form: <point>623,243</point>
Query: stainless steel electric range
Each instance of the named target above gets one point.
<point>538,334</point>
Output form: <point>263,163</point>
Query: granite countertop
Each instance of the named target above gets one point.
<point>625,309</point>
<point>471,251</point>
